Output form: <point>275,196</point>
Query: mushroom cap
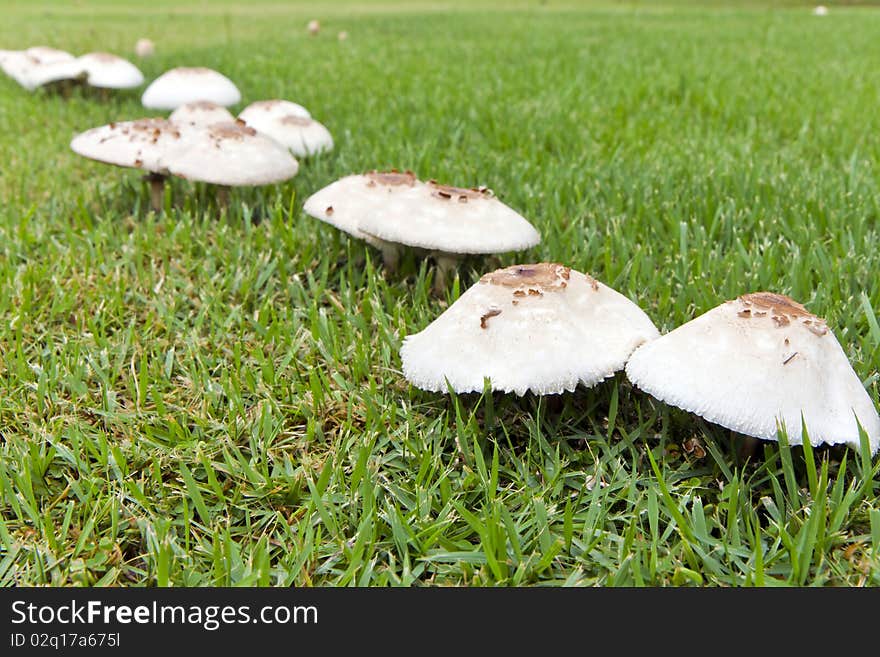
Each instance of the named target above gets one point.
<point>452,220</point>
<point>107,71</point>
<point>147,144</point>
<point>189,84</point>
<point>17,65</point>
<point>201,113</point>
<point>345,202</point>
<point>542,328</point>
<point>276,108</point>
<point>47,55</point>
<point>302,135</point>
<point>41,74</point>
<point>38,66</point>
<point>232,154</point>
<point>750,362</point>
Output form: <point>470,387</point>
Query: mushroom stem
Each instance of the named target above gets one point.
<point>157,190</point>
<point>446,263</point>
<point>748,447</point>
<point>390,256</point>
<point>223,196</point>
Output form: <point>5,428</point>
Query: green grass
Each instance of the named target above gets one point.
<point>199,398</point>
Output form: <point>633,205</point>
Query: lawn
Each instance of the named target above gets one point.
<point>214,397</point>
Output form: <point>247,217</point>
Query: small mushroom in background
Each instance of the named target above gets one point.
<point>40,66</point>
<point>144,48</point>
<point>290,125</point>
<point>757,361</point>
<point>63,73</point>
<point>201,113</point>
<point>543,328</point>
<point>314,27</point>
<point>342,36</point>
<point>187,85</point>
<point>344,202</point>
<point>820,10</point>
<point>146,144</point>
<point>232,155</point>
<point>108,71</point>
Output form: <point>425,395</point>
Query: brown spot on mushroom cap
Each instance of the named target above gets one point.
<point>230,130</point>
<point>778,302</point>
<point>530,279</point>
<point>447,192</point>
<point>392,178</point>
<point>782,311</point>
<point>484,319</point>
<point>151,128</point>
<point>291,119</point>
<point>206,105</point>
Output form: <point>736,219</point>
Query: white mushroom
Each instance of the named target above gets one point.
<point>760,360</point>
<point>144,48</point>
<point>201,113</point>
<point>189,84</point>
<point>289,124</point>
<point>147,144</point>
<point>303,136</point>
<point>451,222</point>
<point>40,65</point>
<point>820,10</point>
<point>391,209</point>
<point>344,203</point>
<point>454,220</point>
<point>542,328</point>
<point>231,155</point>
<point>107,71</point>
<point>313,27</point>
<point>40,75</point>
<point>262,111</point>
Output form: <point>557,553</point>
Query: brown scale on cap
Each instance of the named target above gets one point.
<point>150,129</point>
<point>391,178</point>
<point>484,319</point>
<point>782,310</point>
<point>462,194</point>
<point>532,280</point>
<point>300,121</point>
<point>206,105</point>
<point>228,130</point>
